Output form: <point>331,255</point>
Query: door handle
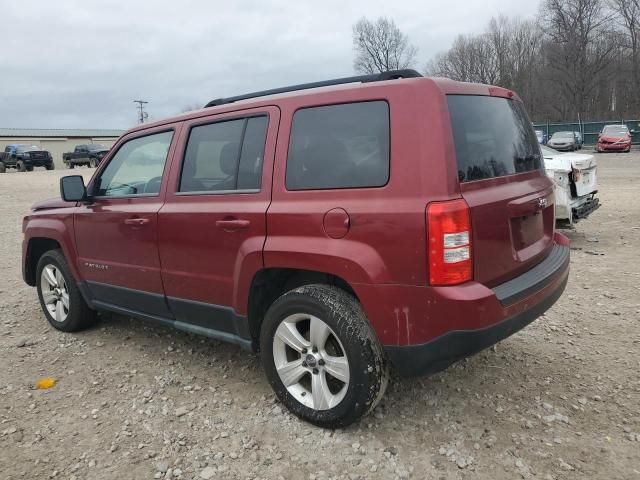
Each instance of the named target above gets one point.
<point>233,224</point>
<point>136,222</point>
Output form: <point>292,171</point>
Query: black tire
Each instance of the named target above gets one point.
<point>21,166</point>
<point>79,315</point>
<point>71,165</point>
<point>29,168</point>
<point>367,365</point>
<point>51,166</point>
<point>3,168</point>
<point>93,163</point>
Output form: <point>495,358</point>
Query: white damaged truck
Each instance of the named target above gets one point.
<point>574,175</point>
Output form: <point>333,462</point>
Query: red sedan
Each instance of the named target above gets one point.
<point>614,138</point>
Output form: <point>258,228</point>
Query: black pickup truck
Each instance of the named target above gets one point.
<point>85,155</point>
<point>23,157</point>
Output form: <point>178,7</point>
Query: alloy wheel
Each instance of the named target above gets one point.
<point>55,294</point>
<point>311,361</point>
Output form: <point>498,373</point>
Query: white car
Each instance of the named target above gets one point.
<point>574,175</point>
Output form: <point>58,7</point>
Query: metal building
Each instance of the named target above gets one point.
<point>57,141</point>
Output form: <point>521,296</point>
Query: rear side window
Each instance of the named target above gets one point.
<point>339,146</point>
<point>225,156</point>
<point>493,137</point>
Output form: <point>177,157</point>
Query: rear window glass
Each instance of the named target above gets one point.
<point>493,137</point>
<point>339,146</point>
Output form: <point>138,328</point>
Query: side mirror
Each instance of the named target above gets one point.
<point>72,188</point>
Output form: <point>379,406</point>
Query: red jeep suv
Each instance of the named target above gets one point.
<point>339,228</point>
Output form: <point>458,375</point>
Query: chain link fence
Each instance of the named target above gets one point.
<point>589,130</point>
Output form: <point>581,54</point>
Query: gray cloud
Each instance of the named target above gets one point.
<point>79,64</point>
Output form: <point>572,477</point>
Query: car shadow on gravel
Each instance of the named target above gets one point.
<point>481,380</point>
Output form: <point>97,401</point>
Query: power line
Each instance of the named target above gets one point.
<point>143,115</point>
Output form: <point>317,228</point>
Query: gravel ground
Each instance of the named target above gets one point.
<point>135,400</point>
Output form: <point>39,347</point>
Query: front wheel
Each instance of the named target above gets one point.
<point>321,357</point>
<point>20,165</point>
<point>51,166</point>
<point>59,295</point>
<point>93,163</point>
<point>29,168</point>
<point>3,168</point>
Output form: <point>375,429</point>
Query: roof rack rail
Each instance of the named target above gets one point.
<point>376,77</point>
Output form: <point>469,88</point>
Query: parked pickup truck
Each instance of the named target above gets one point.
<point>24,157</point>
<point>85,155</point>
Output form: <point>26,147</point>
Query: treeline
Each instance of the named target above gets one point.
<point>577,60</point>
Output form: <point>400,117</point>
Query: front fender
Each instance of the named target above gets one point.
<point>52,226</point>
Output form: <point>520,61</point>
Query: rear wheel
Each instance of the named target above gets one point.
<point>321,356</point>
<point>3,168</point>
<point>51,166</point>
<point>29,168</point>
<point>59,295</point>
<point>93,163</point>
<point>21,166</point>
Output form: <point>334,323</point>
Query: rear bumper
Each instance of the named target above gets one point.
<point>585,209</point>
<point>435,356</point>
<point>462,320</point>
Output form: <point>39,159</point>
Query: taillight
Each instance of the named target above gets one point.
<point>449,242</point>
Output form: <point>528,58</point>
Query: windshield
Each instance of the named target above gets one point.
<point>615,130</point>
<point>27,148</point>
<point>563,135</point>
<point>96,147</point>
<point>493,137</point>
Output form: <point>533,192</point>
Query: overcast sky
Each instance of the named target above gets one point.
<point>80,63</point>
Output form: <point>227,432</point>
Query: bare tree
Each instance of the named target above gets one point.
<point>628,13</point>
<point>572,61</point>
<point>381,46</point>
<point>579,48</point>
<point>470,59</point>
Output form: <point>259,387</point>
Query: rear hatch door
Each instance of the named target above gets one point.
<point>502,179</point>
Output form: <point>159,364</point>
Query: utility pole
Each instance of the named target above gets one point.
<point>143,115</point>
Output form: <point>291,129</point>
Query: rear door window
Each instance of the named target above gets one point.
<point>225,156</point>
<point>493,137</point>
<point>339,146</point>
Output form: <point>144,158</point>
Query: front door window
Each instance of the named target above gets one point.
<point>137,167</point>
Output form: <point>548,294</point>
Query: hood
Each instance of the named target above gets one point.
<point>565,162</point>
<point>614,138</point>
<point>561,140</point>
<point>51,203</point>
